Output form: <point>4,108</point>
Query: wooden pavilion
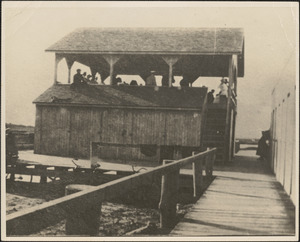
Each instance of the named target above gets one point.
<point>169,121</point>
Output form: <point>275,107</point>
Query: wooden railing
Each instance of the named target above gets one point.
<point>83,207</point>
<point>233,97</point>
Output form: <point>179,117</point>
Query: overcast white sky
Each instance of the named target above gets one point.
<point>271,31</point>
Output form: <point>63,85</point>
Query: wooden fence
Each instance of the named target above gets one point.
<point>83,207</point>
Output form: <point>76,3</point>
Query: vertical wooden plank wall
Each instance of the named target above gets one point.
<point>37,130</point>
<point>283,131</point>
<point>68,131</point>
<point>54,131</point>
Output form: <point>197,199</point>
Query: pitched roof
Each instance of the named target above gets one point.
<point>152,40</point>
<point>124,96</point>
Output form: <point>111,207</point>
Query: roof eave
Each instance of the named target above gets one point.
<point>143,52</point>
<point>115,106</point>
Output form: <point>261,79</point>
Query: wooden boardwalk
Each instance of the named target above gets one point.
<point>244,199</point>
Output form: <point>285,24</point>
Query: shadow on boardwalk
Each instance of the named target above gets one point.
<point>244,200</point>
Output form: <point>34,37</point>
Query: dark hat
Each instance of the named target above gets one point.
<point>78,70</point>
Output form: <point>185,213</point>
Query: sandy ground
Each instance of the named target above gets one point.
<point>116,220</point>
<point>118,217</point>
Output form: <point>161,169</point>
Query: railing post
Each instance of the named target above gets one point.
<point>197,176</point>
<point>209,163</point>
<point>83,219</point>
<point>212,162</point>
<point>169,198</point>
<point>43,178</point>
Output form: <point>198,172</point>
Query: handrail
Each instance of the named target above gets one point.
<point>233,97</point>
<point>35,218</point>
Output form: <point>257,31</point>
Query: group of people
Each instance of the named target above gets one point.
<point>151,81</point>
<point>117,81</point>
<point>84,78</point>
<point>222,95</point>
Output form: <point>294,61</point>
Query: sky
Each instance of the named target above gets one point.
<point>28,28</point>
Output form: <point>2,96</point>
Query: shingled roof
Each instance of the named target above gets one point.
<point>124,96</point>
<point>152,40</point>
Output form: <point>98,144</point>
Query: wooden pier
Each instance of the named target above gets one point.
<point>243,200</point>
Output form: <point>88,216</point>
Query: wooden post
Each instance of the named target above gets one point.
<point>43,169</point>
<point>58,58</point>
<point>197,177</point>
<point>207,163</point>
<point>213,161</point>
<point>228,111</point>
<point>235,74</point>
<point>170,60</point>
<point>111,60</point>
<point>169,198</point>
<point>70,63</point>
<point>233,134</point>
<point>83,219</point>
<point>93,156</point>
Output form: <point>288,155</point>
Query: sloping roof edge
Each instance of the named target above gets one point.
<point>171,41</point>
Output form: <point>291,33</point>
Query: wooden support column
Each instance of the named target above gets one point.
<point>170,60</point>
<point>227,140</point>
<point>82,219</point>
<point>169,198</point>
<point>233,134</point>
<point>197,177</point>
<point>235,80</point>
<point>70,63</point>
<point>111,60</point>
<point>58,58</point>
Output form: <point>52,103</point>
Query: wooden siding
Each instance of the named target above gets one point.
<point>37,130</point>
<point>53,133</point>
<point>283,143</point>
<point>124,153</point>
<point>68,131</point>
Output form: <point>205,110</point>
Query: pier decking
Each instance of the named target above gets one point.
<point>244,199</point>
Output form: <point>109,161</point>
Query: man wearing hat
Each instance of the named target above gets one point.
<point>150,80</point>
<point>77,79</point>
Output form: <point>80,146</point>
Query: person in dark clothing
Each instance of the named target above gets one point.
<point>116,80</point>
<point>263,146</point>
<point>165,80</point>
<point>210,96</point>
<point>77,79</point>
<point>184,81</point>
<point>133,83</point>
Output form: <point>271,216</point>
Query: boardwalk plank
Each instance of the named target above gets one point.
<point>240,204</point>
